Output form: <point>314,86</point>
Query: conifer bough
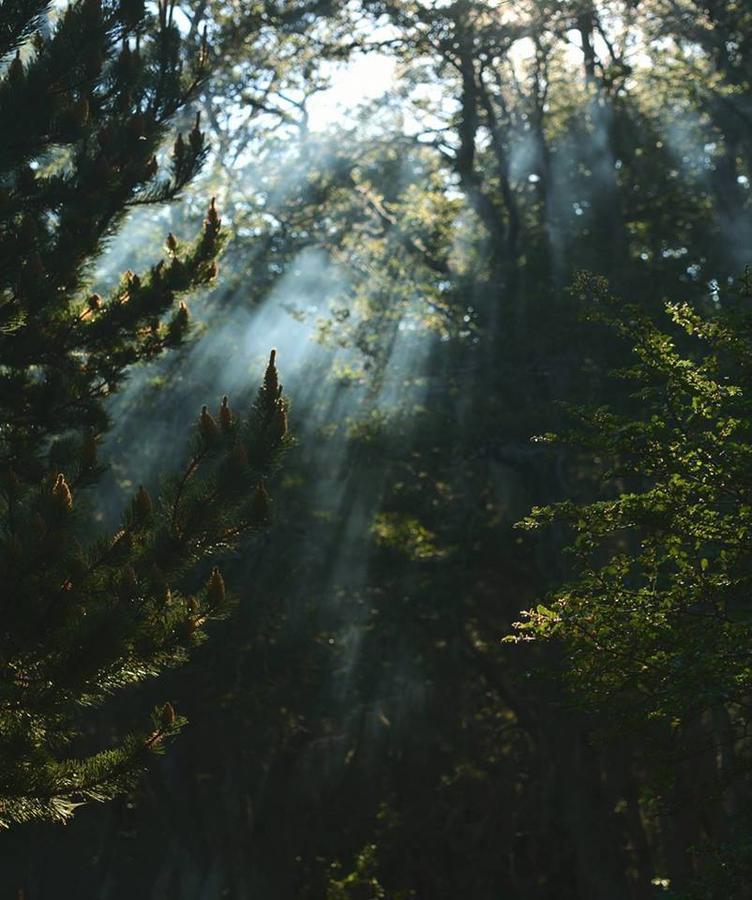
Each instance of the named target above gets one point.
<point>85,104</point>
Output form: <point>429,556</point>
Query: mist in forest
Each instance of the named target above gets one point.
<point>491,641</point>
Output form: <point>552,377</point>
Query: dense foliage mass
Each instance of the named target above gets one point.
<point>656,620</point>
<point>85,104</point>
<point>374,723</point>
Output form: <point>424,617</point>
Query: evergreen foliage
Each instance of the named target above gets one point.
<point>86,101</point>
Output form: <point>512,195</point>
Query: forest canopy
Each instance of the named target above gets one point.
<point>495,641</point>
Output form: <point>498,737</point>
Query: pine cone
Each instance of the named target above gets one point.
<point>225,415</point>
<point>215,591</point>
<point>62,494</point>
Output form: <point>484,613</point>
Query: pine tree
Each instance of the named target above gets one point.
<point>86,101</point>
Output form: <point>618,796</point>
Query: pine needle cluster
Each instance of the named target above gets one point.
<point>86,99</point>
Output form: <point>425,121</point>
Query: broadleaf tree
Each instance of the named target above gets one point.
<point>655,613</point>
